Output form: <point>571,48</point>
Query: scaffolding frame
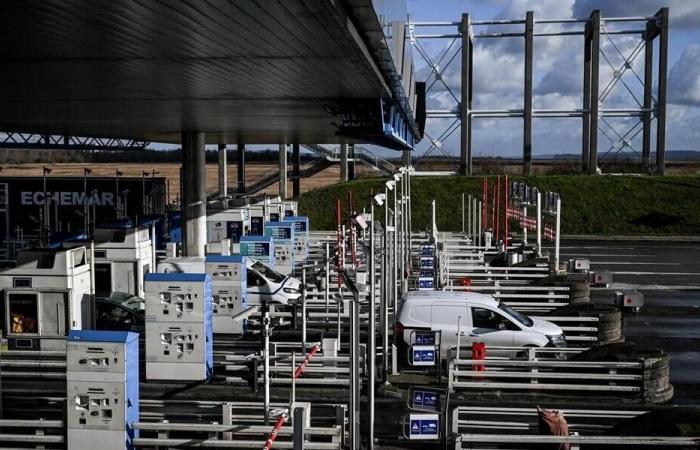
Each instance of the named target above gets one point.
<point>594,118</point>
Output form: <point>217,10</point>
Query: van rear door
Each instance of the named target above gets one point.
<point>444,317</point>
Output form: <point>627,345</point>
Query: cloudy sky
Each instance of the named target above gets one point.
<point>558,73</point>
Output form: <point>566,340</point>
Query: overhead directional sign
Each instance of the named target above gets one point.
<point>424,426</point>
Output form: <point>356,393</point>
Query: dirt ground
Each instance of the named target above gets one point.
<point>171,171</point>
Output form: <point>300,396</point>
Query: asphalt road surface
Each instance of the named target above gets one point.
<point>668,274</point>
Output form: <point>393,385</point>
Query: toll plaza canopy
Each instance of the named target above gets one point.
<point>263,71</point>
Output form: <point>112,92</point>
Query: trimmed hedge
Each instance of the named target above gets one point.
<point>601,205</point>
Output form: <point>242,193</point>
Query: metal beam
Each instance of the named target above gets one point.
<point>648,82</point>
<point>296,172</point>
<point>223,171</point>
<point>11,140</point>
<point>595,75</point>
<point>465,162</point>
<point>240,169</point>
<point>662,17</point>
<point>586,125</point>
<point>527,101</point>
<point>343,162</point>
<point>194,194</point>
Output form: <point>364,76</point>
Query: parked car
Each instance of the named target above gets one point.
<point>265,283</point>
<point>119,315</point>
<point>480,317</point>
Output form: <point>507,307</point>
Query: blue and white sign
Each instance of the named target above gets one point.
<point>425,283</point>
<point>425,338</point>
<point>423,355</point>
<point>424,426</point>
<point>425,400</point>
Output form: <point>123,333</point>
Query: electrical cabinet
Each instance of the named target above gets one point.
<point>102,389</point>
<point>179,339</point>
<point>228,279</point>
<point>282,234</point>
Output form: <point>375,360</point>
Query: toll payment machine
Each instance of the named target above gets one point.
<point>228,285</point>
<point>179,340</point>
<point>282,234</point>
<point>259,248</point>
<point>122,258</point>
<point>229,224</point>
<point>102,389</point>
<point>259,215</point>
<point>301,237</point>
<point>44,296</point>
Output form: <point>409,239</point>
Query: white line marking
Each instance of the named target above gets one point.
<point>630,263</point>
<point>686,274</point>
<point>647,287</point>
<point>629,255</point>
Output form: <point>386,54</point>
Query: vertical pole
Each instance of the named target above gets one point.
<point>343,162</point>
<point>497,210</point>
<point>459,336</point>
<point>283,171</point>
<point>539,224</point>
<point>485,202</point>
<point>465,166</point>
<point>395,255</point>
<point>557,235</point>
<point>303,312</point>
<point>463,228</point>
<point>506,198</point>
<point>479,229</point>
<point>661,115</point>
<point>296,171</point>
<point>86,203</point>
<point>586,115</point>
<point>351,162</point>
<point>326,291</point>
<point>595,75</point>
<point>194,195</point>
<point>223,173</point>
<point>648,86</point>
<point>387,291</point>
<point>241,169</point>
<point>527,101</point>
<point>372,339</point>
<point>266,364</point>
<point>298,424</point>
<point>354,371</point>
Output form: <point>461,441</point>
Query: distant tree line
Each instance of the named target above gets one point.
<point>25,156</point>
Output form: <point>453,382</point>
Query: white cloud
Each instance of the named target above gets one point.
<point>684,78</point>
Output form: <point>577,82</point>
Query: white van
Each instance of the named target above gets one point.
<point>481,319</point>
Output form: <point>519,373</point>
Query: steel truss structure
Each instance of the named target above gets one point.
<point>10,140</point>
<point>594,117</point>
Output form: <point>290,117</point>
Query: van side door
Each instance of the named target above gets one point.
<point>444,318</point>
<point>491,328</point>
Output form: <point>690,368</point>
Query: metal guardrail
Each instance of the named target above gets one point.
<point>573,376</point>
<point>242,436</point>
<point>528,299</point>
<point>40,438</point>
<point>468,440</point>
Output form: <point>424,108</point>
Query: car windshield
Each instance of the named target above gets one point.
<point>127,300</point>
<point>520,317</point>
<point>268,272</point>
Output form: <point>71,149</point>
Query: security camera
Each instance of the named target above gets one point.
<point>378,200</point>
<point>390,185</point>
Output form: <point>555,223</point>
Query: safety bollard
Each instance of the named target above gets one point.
<point>478,353</point>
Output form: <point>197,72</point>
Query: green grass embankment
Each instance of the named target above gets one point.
<point>602,205</point>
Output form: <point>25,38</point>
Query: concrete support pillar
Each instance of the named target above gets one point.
<point>465,147</point>
<point>351,162</point>
<point>223,174</point>
<point>595,75</point>
<point>194,194</point>
<point>240,167</point>
<point>407,158</point>
<point>343,163</point>
<point>283,171</point>
<point>661,98</point>
<point>296,171</point>
<point>527,100</point>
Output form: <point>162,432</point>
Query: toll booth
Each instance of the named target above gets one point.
<point>123,256</point>
<point>44,296</point>
<point>179,339</point>
<point>229,224</point>
<point>102,389</point>
<point>228,284</point>
<point>259,248</point>
<point>301,237</point>
<point>282,234</point>
<point>259,215</point>
<point>290,208</point>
